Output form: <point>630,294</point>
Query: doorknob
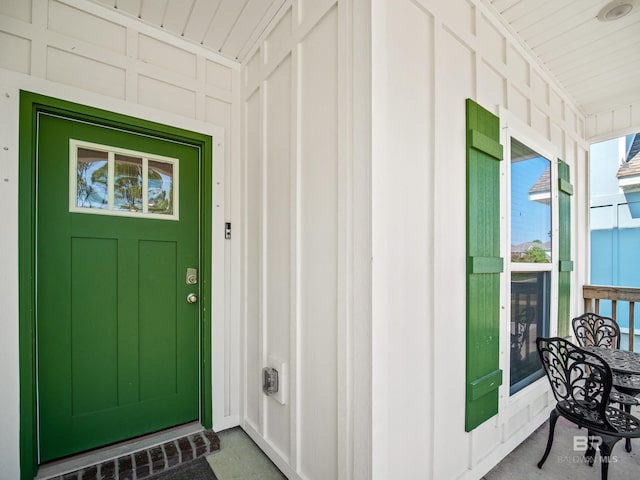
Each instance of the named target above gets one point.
<point>192,298</point>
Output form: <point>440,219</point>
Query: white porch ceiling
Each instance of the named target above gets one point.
<point>598,63</point>
<point>228,27</point>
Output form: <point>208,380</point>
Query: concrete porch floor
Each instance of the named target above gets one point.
<point>563,463</point>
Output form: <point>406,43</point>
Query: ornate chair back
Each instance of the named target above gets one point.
<point>594,330</point>
<point>581,381</point>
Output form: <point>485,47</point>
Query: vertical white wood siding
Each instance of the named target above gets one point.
<point>428,56</point>
<point>297,184</point>
<point>294,141</point>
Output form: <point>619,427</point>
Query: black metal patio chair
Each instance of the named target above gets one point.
<point>581,383</point>
<point>593,330</point>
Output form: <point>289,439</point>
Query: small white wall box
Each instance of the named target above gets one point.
<point>275,377</point>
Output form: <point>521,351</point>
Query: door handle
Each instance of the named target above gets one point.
<point>192,298</point>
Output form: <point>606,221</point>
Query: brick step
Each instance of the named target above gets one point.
<point>150,461</point>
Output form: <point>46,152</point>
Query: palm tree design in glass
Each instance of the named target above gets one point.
<point>160,178</point>
<point>127,183</point>
<point>91,178</point>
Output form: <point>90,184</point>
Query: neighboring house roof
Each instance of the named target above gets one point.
<point>543,183</point>
<point>634,149</point>
<point>629,177</point>
<point>629,170</point>
<point>541,190</point>
<point>631,165</point>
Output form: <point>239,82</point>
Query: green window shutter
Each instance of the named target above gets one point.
<point>565,265</point>
<point>484,265</point>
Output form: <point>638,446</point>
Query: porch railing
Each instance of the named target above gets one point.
<point>593,294</point>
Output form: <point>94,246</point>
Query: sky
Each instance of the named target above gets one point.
<point>530,220</point>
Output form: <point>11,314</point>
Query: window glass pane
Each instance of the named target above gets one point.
<point>91,179</point>
<point>127,188</point>
<point>160,187</point>
<point>530,312</point>
<point>530,205</point>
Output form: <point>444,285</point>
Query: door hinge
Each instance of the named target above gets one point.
<point>227,230</point>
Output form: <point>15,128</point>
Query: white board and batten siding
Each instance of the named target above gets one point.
<point>620,121</point>
<point>295,238</point>
<point>289,181</point>
<point>82,52</point>
<point>428,57</point>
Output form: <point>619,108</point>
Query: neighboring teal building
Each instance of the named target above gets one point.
<point>615,219</point>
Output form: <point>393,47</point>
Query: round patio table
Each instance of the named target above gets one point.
<point>620,361</point>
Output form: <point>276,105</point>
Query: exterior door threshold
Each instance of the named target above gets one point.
<point>137,458</point>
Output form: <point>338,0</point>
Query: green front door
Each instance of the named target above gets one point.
<point>117,336</point>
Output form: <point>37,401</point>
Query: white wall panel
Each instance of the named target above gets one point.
<point>19,9</point>
<point>459,16</point>
<point>277,255</point>
<point>517,422</point>
<point>165,96</point>
<point>572,121</point>
<point>403,160</point>
<point>460,77</point>
<point>622,119</point>
<point>218,112</point>
<point>540,122</point>
<point>457,83</point>
<point>253,224</point>
<point>161,54</point>
<point>295,71</point>
<point>518,67</point>
<point>540,89</point>
<point>218,75</point>
<point>603,124</point>
<point>280,36</point>
<point>312,10</point>
<point>540,405</point>
<point>570,152</point>
<point>85,46</point>
<point>557,105</point>
<point>85,73</point>
<point>518,103</point>
<point>15,53</point>
<point>486,438</point>
<point>557,136</point>
<point>86,27</point>
<point>253,67</point>
<point>492,42</point>
<point>318,215</point>
<point>491,88</point>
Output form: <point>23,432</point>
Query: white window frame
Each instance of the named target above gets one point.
<point>511,126</point>
<point>111,153</point>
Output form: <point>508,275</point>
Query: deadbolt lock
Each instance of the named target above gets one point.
<point>192,276</point>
